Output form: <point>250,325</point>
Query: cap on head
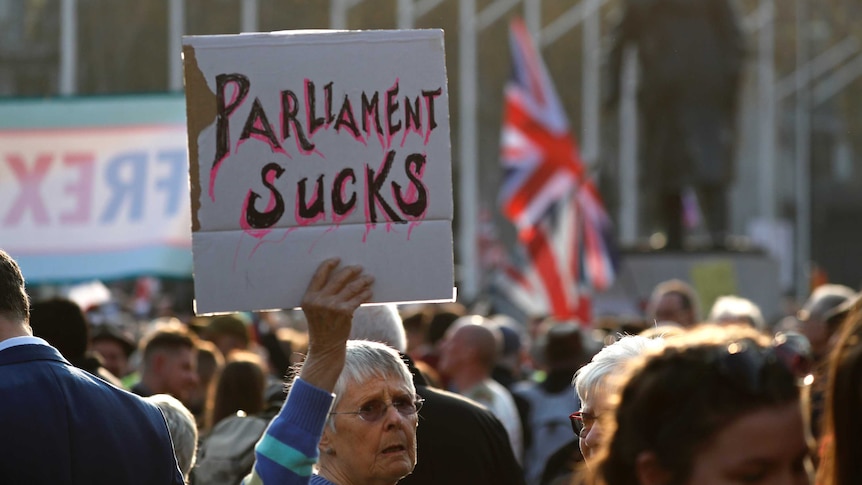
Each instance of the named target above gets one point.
<point>836,315</point>
<point>824,299</point>
<point>564,346</point>
<point>112,333</point>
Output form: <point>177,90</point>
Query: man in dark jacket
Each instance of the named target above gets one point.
<point>691,54</point>
<point>61,425</point>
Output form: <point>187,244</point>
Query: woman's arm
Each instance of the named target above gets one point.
<point>288,450</point>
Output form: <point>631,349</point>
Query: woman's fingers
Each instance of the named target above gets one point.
<point>334,289</point>
<point>341,278</point>
<point>321,276</point>
<point>355,289</point>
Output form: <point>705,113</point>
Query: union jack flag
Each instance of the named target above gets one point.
<point>561,221</point>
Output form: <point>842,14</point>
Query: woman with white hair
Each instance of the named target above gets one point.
<point>354,402</point>
<point>594,385</point>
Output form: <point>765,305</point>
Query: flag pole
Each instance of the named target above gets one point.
<point>628,119</point>
<point>468,186</point>
<point>590,93</point>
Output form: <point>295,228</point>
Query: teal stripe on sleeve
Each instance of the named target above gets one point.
<point>285,455</point>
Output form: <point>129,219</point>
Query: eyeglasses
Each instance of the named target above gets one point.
<point>582,422</point>
<point>374,410</point>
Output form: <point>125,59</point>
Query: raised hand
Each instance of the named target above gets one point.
<point>329,302</point>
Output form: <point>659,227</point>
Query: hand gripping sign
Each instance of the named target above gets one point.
<point>305,145</point>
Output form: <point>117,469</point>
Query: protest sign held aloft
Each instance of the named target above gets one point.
<point>305,145</point>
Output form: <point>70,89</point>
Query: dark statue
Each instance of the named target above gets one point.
<point>691,55</point>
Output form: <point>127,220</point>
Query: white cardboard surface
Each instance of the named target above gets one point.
<point>244,262</point>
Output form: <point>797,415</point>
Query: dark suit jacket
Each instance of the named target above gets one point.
<point>61,425</point>
<point>459,442</point>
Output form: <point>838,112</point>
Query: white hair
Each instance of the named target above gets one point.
<point>379,323</point>
<point>736,309</point>
<point>367,360</point>
<point>182,427</point>
<point>591,378</point>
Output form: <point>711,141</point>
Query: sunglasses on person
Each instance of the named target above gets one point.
<point>374,410</point>
<point>582,422</point>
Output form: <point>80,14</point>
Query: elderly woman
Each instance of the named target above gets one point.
<point>368,435</point>
<point>593,386</point>
<point>713,406</point>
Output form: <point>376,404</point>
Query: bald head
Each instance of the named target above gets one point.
<point>480,340</point>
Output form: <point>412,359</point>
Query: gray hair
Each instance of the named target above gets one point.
<point>737,309</point>
<point>591,378</point>
<point>183,430</point>
<point>379,323</point>
<point>368,360</point>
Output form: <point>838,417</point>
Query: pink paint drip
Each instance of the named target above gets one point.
<point>358,136</point>
<point>428,121</point>
<point>411,226</point>
<point>311,248</point>
<point>414,129</point>
<point>272,241</point>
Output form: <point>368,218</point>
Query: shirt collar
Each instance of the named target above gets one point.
<point>25,340</point>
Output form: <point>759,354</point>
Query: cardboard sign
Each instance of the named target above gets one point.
<point>305,145</point>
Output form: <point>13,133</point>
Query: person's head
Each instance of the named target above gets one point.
<point>714,406</point>
<point>840,464</point>
<point>593,386</point>
<point>795,351</point>
<point>183,429</point>
<point>370,436</point>
<point>417,322</point>
<point>169,363</point>
<point>210,364</point>
<point>62,324</point>
<point>14,302</point>
<point>379,323</point>
<point>563,346</point>
<point>114,347</point>
<point>736,310</point>
<point>515,343</point>
<point>835,317</point>
<point>813,315</point>
<point>470,346</point>
<point>239,387</point>
<point>674,301</point>
<point>442,317</point>
<point>228,333</point>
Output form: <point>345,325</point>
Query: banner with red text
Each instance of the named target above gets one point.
<point>95,187</point>
<point>306,145</point>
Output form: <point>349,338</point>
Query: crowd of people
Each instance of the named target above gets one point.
<point>345,394</point>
